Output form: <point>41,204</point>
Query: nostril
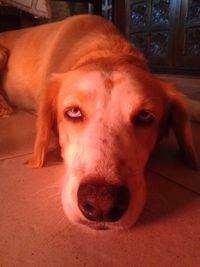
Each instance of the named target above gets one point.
<point>91,211</point>
<point>88,207</point>
<point>114,214</point>
<point>102,201</point>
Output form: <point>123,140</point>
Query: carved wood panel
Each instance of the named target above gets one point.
<point>188,47</point>
<point>160,12</point>
<point>166,31</point>
<point>192,42</point>
<point>138,14</point>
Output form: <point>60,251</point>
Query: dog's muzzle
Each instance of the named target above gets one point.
<point>102,202</point>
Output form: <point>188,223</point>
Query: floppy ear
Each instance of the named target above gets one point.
<point>46,118</point>
<point>180,123</point>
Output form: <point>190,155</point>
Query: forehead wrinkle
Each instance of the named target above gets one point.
<point>118,81</point>
<point>107,79</point>
<point>110,81</point>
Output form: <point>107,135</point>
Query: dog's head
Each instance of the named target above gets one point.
<point>108,124</point>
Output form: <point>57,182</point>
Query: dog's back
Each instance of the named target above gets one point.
<point>57,47</point>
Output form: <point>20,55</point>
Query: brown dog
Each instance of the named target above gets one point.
<point>83,77</point>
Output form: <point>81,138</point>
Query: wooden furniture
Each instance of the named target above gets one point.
<point>167,31</point>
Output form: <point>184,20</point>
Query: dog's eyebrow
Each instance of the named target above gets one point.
<point>76,98</point>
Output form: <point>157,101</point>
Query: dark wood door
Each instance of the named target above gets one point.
<point>167,31</point>
<point>188,35</point>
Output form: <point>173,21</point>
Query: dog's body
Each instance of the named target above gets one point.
<point>84,78</point>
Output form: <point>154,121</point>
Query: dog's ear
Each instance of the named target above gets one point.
<point>46,119</point>
<point>179,121</point>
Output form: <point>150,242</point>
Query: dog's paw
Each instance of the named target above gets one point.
<point>34,163</point>
<point>5,109</point>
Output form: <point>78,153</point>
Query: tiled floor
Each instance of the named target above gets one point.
<point>35,233</point>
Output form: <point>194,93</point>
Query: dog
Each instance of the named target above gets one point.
<point>89,84</point>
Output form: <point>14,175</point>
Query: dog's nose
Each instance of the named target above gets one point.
<point>103,201</point>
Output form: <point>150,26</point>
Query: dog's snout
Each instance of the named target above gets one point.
<point>103,201</point>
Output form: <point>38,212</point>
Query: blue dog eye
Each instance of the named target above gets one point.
<point>73,113</point>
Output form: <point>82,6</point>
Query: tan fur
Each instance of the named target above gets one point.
<point>84,62</point>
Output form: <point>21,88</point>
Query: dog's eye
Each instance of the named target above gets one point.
<point>73,113</point>
<point>144,118</point>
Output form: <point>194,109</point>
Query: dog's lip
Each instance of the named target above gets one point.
<point>99,226</point>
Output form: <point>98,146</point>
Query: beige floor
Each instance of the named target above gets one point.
<point>35,233</point>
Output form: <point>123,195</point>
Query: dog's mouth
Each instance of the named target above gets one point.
<point>103,226</point>
<point>98,226</point>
